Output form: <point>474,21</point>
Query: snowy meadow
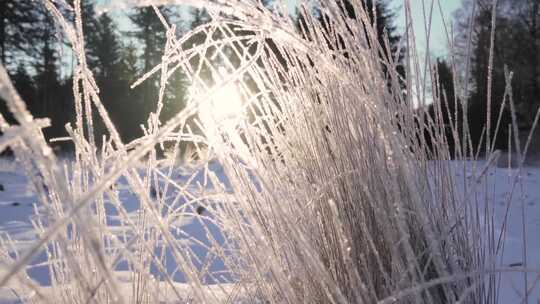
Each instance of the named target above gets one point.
<point>310,176</point>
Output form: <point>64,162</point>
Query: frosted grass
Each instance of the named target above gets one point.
<point>320,189</point>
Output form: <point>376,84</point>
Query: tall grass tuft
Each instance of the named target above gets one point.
<point>319,181</point>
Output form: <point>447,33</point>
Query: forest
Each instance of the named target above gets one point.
<point>332,157</point>
<point>39,64</point>
<point>123,46</point>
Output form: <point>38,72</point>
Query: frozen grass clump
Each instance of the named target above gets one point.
<point>313,182</point>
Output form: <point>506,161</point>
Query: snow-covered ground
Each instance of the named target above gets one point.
<point>521,211</point>
<point>513,195</point>
<point>191,224</point>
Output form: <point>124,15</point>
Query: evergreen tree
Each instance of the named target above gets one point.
<point>151,36</point>
<point>445,79</point>
<point>24,84</point>
<point>126,109</point>
<point>28,42</point>
<point>129,63</point>
<point>50,100</point>
<point>150,33</point>
<point>17,20</point>
<point>199,17</point>
<point>523,34</point>
<point>47,78</point>
<point>515,47</point>
<point>17,33</point>
<point>92,34</point>
<point>107,49</point>
<point>174,99</point>
<point>379,15</point>
<point>103,50</point>
<point>446,111</point>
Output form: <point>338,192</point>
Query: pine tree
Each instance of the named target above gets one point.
<point>151,35</point>
<point>129,63</point>
<point>514,48</point>
<point>174,99</point>
<point>107,48</point>
<point>104,58</point>
<point>199,17</point>
<point>17,33</point>
<point>176,89</point>
<point>17,20</point>
<point>47,78</point>
<point>379,15</point>
<point>51,100</point>
<point>446,111</point>
<point>24,83</point>
<point>126,111</point>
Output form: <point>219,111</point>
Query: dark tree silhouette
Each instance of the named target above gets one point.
<point>17,31</point>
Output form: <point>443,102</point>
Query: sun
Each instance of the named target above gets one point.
<point>225,107</point>
<point>223,115</point>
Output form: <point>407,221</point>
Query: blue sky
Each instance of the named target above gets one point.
<point>438,40</point>
<point>438,44</point>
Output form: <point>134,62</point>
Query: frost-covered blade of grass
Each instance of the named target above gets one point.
<point>316,179</point>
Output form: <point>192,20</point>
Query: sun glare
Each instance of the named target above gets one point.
<point>225,107</point>
<point>222,116</point>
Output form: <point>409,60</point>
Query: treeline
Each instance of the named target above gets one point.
<point>511,80</point>
<point>37,58</point>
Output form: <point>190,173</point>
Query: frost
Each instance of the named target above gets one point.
<point>312,189</point>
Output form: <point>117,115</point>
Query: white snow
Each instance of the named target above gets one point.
<point>508,191</point>
<point>18,204</point>
<point>195,232</point>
